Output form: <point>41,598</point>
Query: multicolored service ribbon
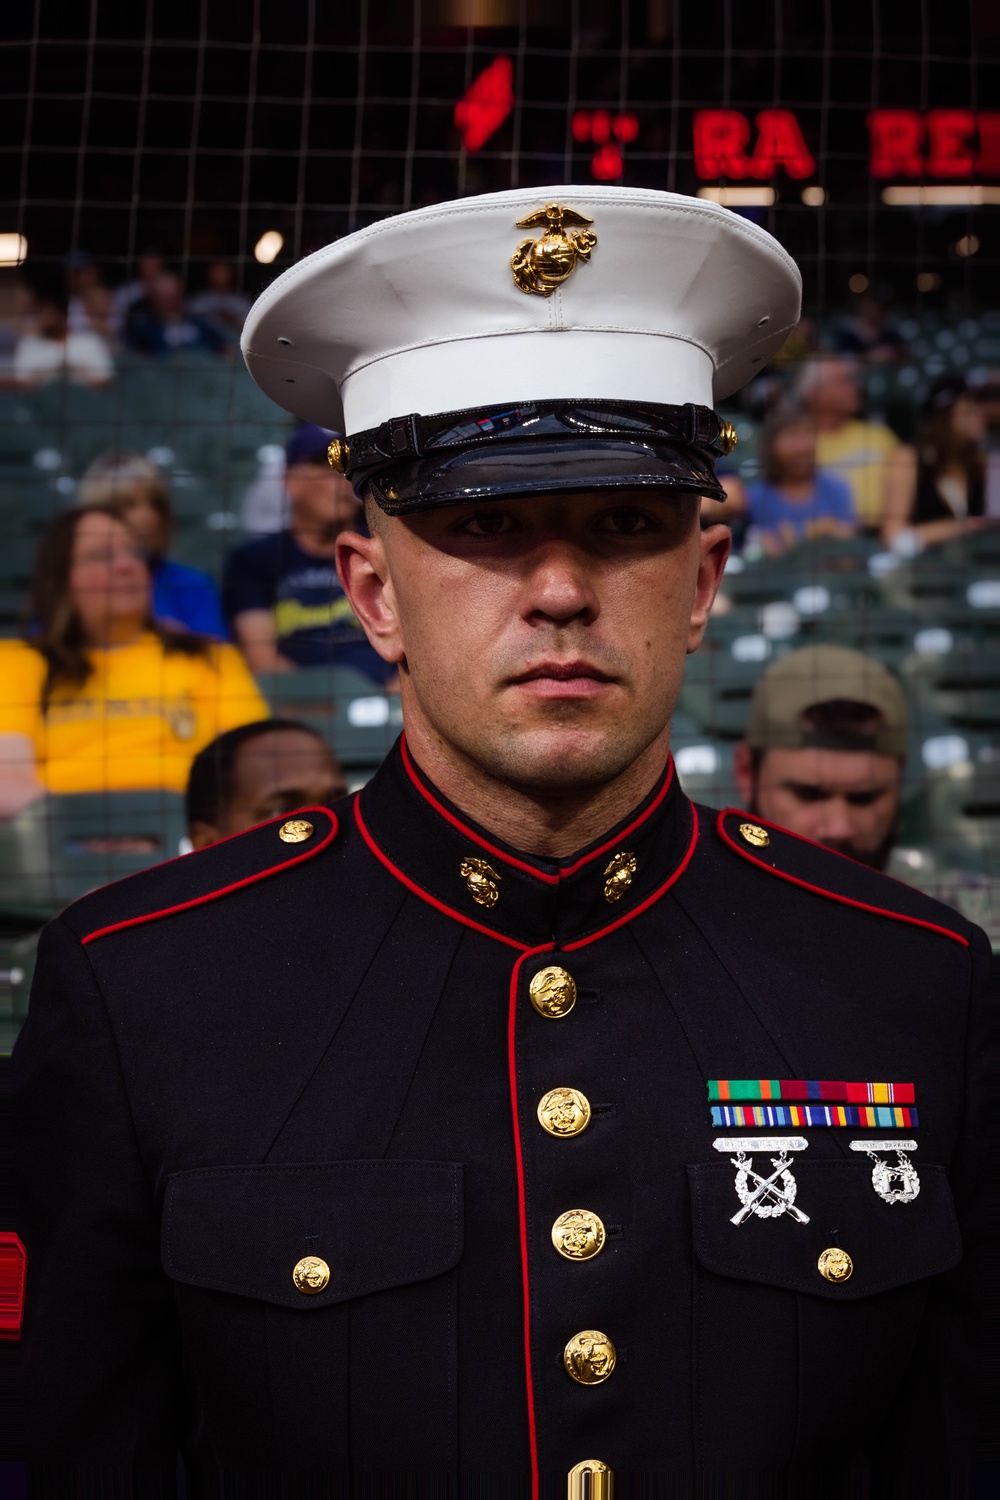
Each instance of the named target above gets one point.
<point>865,1116</point>
<point>817,1090</point>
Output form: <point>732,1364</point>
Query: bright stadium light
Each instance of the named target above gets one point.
<point>740,197</point>
<point>268,247</point>
<point>13,249</point>
<point>814,197</point>
<point>948,195</point>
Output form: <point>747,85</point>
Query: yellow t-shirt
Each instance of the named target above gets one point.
<point>139,719</point>
<point>858,452</point>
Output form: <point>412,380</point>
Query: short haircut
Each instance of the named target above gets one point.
<point>210,780</point>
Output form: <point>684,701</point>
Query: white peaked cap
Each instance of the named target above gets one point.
<point>681,301</point>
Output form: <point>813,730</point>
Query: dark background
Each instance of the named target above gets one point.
<point>196,126</point>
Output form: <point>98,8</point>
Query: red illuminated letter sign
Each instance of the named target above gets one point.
<point>780,144</point>
<point>896,137</point>
<point>720,136</point>
<point>487,103</point>
<point>949,141</point>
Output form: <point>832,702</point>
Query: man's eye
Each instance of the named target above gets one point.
<point>487,523</point>
<point>627,522</point>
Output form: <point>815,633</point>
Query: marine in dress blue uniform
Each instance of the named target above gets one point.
<point>368,1145</point>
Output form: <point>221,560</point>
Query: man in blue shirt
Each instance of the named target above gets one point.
<point>281,592</point>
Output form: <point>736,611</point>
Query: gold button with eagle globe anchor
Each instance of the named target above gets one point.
<point>564,1112</point>
<point>552,992</point>
<point>578,1234</point>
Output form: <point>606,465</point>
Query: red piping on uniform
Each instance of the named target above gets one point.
<point>518,864</point>
<point>522,1207</point>
<point>169,911</point>
<point>595,853</point>
<point>818,890</point>
<point>411,885</point>
<point>13,1269</point>
<point>649,901</point>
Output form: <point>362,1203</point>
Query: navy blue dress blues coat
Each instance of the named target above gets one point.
<point>266,1051</point>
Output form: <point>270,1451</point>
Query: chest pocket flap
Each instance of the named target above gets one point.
<point>890,1244</point>
<point>376,1224</point>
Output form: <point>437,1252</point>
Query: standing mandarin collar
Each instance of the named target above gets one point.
<point>518,898</point>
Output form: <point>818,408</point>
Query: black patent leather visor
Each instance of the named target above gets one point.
<point>418,463</point>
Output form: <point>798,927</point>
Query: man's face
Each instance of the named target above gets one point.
<point>845,799</point>
<point>835,392</point>
<point>320,498</point>
<point>541,639</point>
<point>274,773</point>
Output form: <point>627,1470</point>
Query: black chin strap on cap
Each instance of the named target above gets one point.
<point>417,462</point>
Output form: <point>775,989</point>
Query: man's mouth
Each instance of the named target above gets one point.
<point>563,679</point>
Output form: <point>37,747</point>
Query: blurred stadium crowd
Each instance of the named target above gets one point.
<point>166,578</point>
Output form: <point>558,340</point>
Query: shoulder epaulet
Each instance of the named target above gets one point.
<point>192,879</point>
<point>836,876</point>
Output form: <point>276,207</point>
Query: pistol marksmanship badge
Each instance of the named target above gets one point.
<point>885,1176</point>
<point>539,266</point>
<point>767,1197</point>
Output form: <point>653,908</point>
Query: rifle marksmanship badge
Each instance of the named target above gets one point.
<point>539,266</point>
<point>767,1197</point>
<point>766,1103</point>
<point>895,1184</point>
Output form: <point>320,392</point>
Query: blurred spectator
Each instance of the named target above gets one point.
<point>732,511</point>
<point>793,499</point>
<point>855,449</point>
<point>256,772</point>
<point>870,333</point>
<point>97,697</point>
<point>825,749</point>
<point>158,325</point>
<point>220,305</point>
<point>137,491</point>
<point>938,487</point>
<point>51,352</point>
<point>265,505</point>
<point>281,592</point>
<point>89,298</point>
<point>799,345</point>
<point>149,267</point>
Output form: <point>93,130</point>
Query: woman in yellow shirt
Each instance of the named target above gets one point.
<point>98,698</point>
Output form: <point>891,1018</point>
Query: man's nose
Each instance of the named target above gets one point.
<point>559,586</point>
<point>837,821</point>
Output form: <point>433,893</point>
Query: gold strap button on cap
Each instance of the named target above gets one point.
<point>590,1480</point>
<point>835,1265</point>
<point>754,834</point>
<point>311,1275</point>
<point>552,992</point>
<point>564,1111</point>
<point>295,831</point>
<point>578,1234</point>
<point>589,1357</point>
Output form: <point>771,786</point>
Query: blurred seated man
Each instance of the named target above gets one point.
<point>51,350</point>
<point>794,499</point>
<point>281,592</point>
<point>847,444</point>
<point>825,749</point>
<point>159,324</point>
<point>256,772</point>
<point>221,304</point>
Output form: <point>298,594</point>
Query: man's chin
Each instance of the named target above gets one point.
<point>558,760</point>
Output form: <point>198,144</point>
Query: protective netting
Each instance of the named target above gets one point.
<point>164,162</point>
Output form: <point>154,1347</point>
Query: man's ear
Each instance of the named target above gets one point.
<point>203,834</point>
<point>363,570</point>
<point>715,542</point>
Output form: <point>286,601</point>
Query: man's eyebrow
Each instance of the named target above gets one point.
<point>817,791</point>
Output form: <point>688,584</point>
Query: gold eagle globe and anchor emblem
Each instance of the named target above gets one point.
<point>539,266</point>
<point>480,881</point>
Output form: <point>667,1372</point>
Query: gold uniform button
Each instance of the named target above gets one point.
<point>295,831</point>
<point>311,1275</point>
<point>552,992</point>
<point>578,1234</point>
<point>589,1357</point>
<point>564,1111</point>
<point>754,834</point>
<point>835,1265</point>
<point>590,1480</point>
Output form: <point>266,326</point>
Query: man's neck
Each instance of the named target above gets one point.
<point>546,825</point>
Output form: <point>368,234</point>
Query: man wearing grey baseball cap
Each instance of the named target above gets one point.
<point>825,748</point>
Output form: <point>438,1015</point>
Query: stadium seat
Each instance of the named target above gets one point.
<point>352,713</point>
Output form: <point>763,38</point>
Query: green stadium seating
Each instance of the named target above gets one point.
<point>352,713</point>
